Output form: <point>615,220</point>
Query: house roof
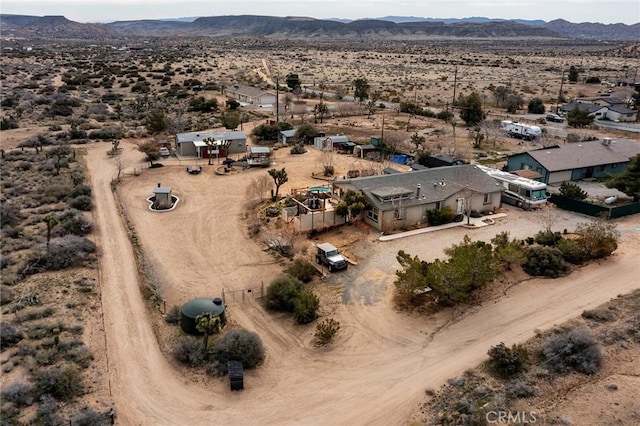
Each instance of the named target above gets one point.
<point>288,133</point>
<point>260,150</point>
<point>621,110</point>
<point>253,92</point>
<point>584,154</point>
<point>219,136</point>
<point>583,106</point>
<point>161,190</point>
<point>337,139</point>
<point>608,99</point>
<point>436,185</point>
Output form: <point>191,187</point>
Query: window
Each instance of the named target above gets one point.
<point>398,214</point>
<point>439,205</point>
<point>373,215</point>
<point>487,198</point>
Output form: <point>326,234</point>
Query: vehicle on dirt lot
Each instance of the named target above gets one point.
<point>164,152</point>
<point>520,130</point>
<point>330,256</point>
<point>555,118</point>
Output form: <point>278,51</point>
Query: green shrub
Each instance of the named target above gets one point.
<point>572,251</point>
<point>82,202</point>
<point>507,362</point>
<point>282,293</point>
<point>173,315</point>
<point>107,133</point>
<point>216,369</point>
<point>239,345</point>
<point>326,331</point>
<point>545,262</point>
<point>306,307</point>
<point>574,350</point>
<point>573,191</point>
<point>302,270</point>
<point>188,351</point>
<point>62,382</point>
<point>548,238</point>
<point>72,222</point>
<point>298,149</point>
<point>440,216</point>
<point>598,239</point>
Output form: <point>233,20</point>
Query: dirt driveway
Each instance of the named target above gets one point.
<point>377,370</point>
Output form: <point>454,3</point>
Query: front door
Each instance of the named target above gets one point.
<point>460,209</point>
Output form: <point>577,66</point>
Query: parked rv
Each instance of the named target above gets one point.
<point>520,130</point>
<point>518,191</point>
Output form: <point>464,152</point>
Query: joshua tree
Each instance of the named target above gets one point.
<point>208,324</point>
<point>51,220</point>
<point>279,178</point>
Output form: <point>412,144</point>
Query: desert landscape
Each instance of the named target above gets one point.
<point>383,359</point>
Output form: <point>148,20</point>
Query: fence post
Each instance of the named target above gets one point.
<point>223,298</point>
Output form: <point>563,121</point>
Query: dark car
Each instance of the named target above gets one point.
<point>555,118</point>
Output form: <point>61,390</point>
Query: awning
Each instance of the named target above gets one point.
<point>200,144</point>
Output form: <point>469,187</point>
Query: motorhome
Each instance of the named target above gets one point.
<point>520,130</point>
<point>518,191</point>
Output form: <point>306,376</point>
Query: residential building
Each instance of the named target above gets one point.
<point>250,95</point>
<point>193,144</point>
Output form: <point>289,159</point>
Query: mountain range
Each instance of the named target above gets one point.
<point>390,27</point>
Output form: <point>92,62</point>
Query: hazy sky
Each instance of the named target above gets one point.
<point>605,11</point>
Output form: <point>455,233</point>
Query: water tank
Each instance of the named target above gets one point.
<point>201,305</point>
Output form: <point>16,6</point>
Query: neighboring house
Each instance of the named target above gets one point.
<point>192,144</point>
<point>331,142</point>
<point>601,110</point>
<point>286,136</point>
<point>401,200</point>
<point>441,160</point>
<point>250,95</point>
<point>575,161</point>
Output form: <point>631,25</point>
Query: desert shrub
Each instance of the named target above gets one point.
<point>188,351</point>
<point>598,239</point>
<point>80,356</point>
<point>545,262</point>
<point>574,350</point>
<point>19,393</point>
<point>107,133</point>
<point>173,315</point>
<point>62,382</point>
<point>521,389</point>
<point>58,192</point>
<point>282,293</point>
<point>573,191</point>
<point>6,295</point>
<point>216,369</point>
<point>10,214</point>
<point>72,222</point>
<point>298,149</point>
<point>10,334</point>
<point>239,345</point>
<point>47,412</point>
<point>571,251</point>
<point>548,238</point>
<point>306,307</point>
<point>81,189</point>
<point>9,413</point>
<point>326,331</point>
<point>440,216</point>
<point>82,202</point>
<point>302,270</point>
<point>600,315</point>
<point>507,362</point>
<point>64,252</point>
<point>89,417</point>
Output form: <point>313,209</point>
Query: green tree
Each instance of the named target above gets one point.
<point>507,362</point>
<point>507,252</point>
<point>232,104</point>
<point>573,191</point>
<point>417,140</point>
<point>156,121</point>
<point>475,261</point>
<point>279,178</point>
<point>293,81</point>
<point>579,117</point>
<point>268,133</point>
<point>573,74</point>
<point>352,204</point>
<point>283,292</point>
<point>629,180</point>
<point>471,109</point>
<point>598,239</point>
<point>208,324</point>
<point>536,106</point>
<point>412,277</point>
<point>200,104</point>
<point>320,110</point>
<point>151,149</point>
<point>230,120</point>
<point>305,133</point>
<point>305,307</point>
<point>361,91</point>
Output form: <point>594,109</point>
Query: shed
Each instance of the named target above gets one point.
<point>201,305</point>
<point>361,150</point>
<point>236,375</point>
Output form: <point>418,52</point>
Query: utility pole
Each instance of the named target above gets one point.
<point>455,83</point>
<point>560,94</point>
<point>277,101</point>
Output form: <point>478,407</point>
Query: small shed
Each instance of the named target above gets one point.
<point>162,198</point>
<point>236,375</point>
<point>201,305</point>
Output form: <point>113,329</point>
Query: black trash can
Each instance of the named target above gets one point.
<point>236,375</point>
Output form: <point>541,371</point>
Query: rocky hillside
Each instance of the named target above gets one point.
<point>53,27</point>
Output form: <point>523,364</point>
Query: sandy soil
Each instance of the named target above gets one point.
<point>382,361</point>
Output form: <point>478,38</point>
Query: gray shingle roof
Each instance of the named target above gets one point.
<point>435,185</point>
<point>199,136</point>
<point>585,154</point>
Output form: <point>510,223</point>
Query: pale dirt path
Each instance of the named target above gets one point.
<point>376,372</point>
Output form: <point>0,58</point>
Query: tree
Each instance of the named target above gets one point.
<point>283,292</point>
<point>151,149</point>
<point>232,104</point>
<point>267,133</point>
<point>475,261</point>
<point>305,133</point>
<point>320,110</point>
<point>279,178</point>
<point>629,180</point>
<point>573,74</point>
<point>598,239</point>
<point>230,120</point>
<point>417,140</point>
<point>293,81</point>
<point>507,252</point>
<point>208,324</point>
<point>573,191</point>
<point>60,152</point>
<point>361,91</point>
<point>536,106</point>
<point>412,277</point>
<point>579,117</point>
<point>51,220</point>
<point>156,121</point>
<point>352,204</point>
<point>471,109</point>
<point>199,104</point>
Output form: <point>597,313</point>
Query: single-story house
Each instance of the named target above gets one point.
<point>285,137</point>
<point>193,144</point>
<point>575,161</point>
<point>250,95</point>
<point>442,160</point>
<point>602,112</point>
<point>401,200</point>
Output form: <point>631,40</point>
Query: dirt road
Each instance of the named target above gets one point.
<point>380,365</point>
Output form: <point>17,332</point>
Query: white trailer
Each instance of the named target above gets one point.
<point>518,191</point>
<point>520,130</point>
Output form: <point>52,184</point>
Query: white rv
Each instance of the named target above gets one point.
<point>518,191</point>
<point>520,130</point>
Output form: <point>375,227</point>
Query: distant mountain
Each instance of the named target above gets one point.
<point>56,27</point>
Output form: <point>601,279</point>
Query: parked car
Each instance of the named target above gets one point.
<point>555,118</point>
<point>164,152</point>
<point>330,256</point>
